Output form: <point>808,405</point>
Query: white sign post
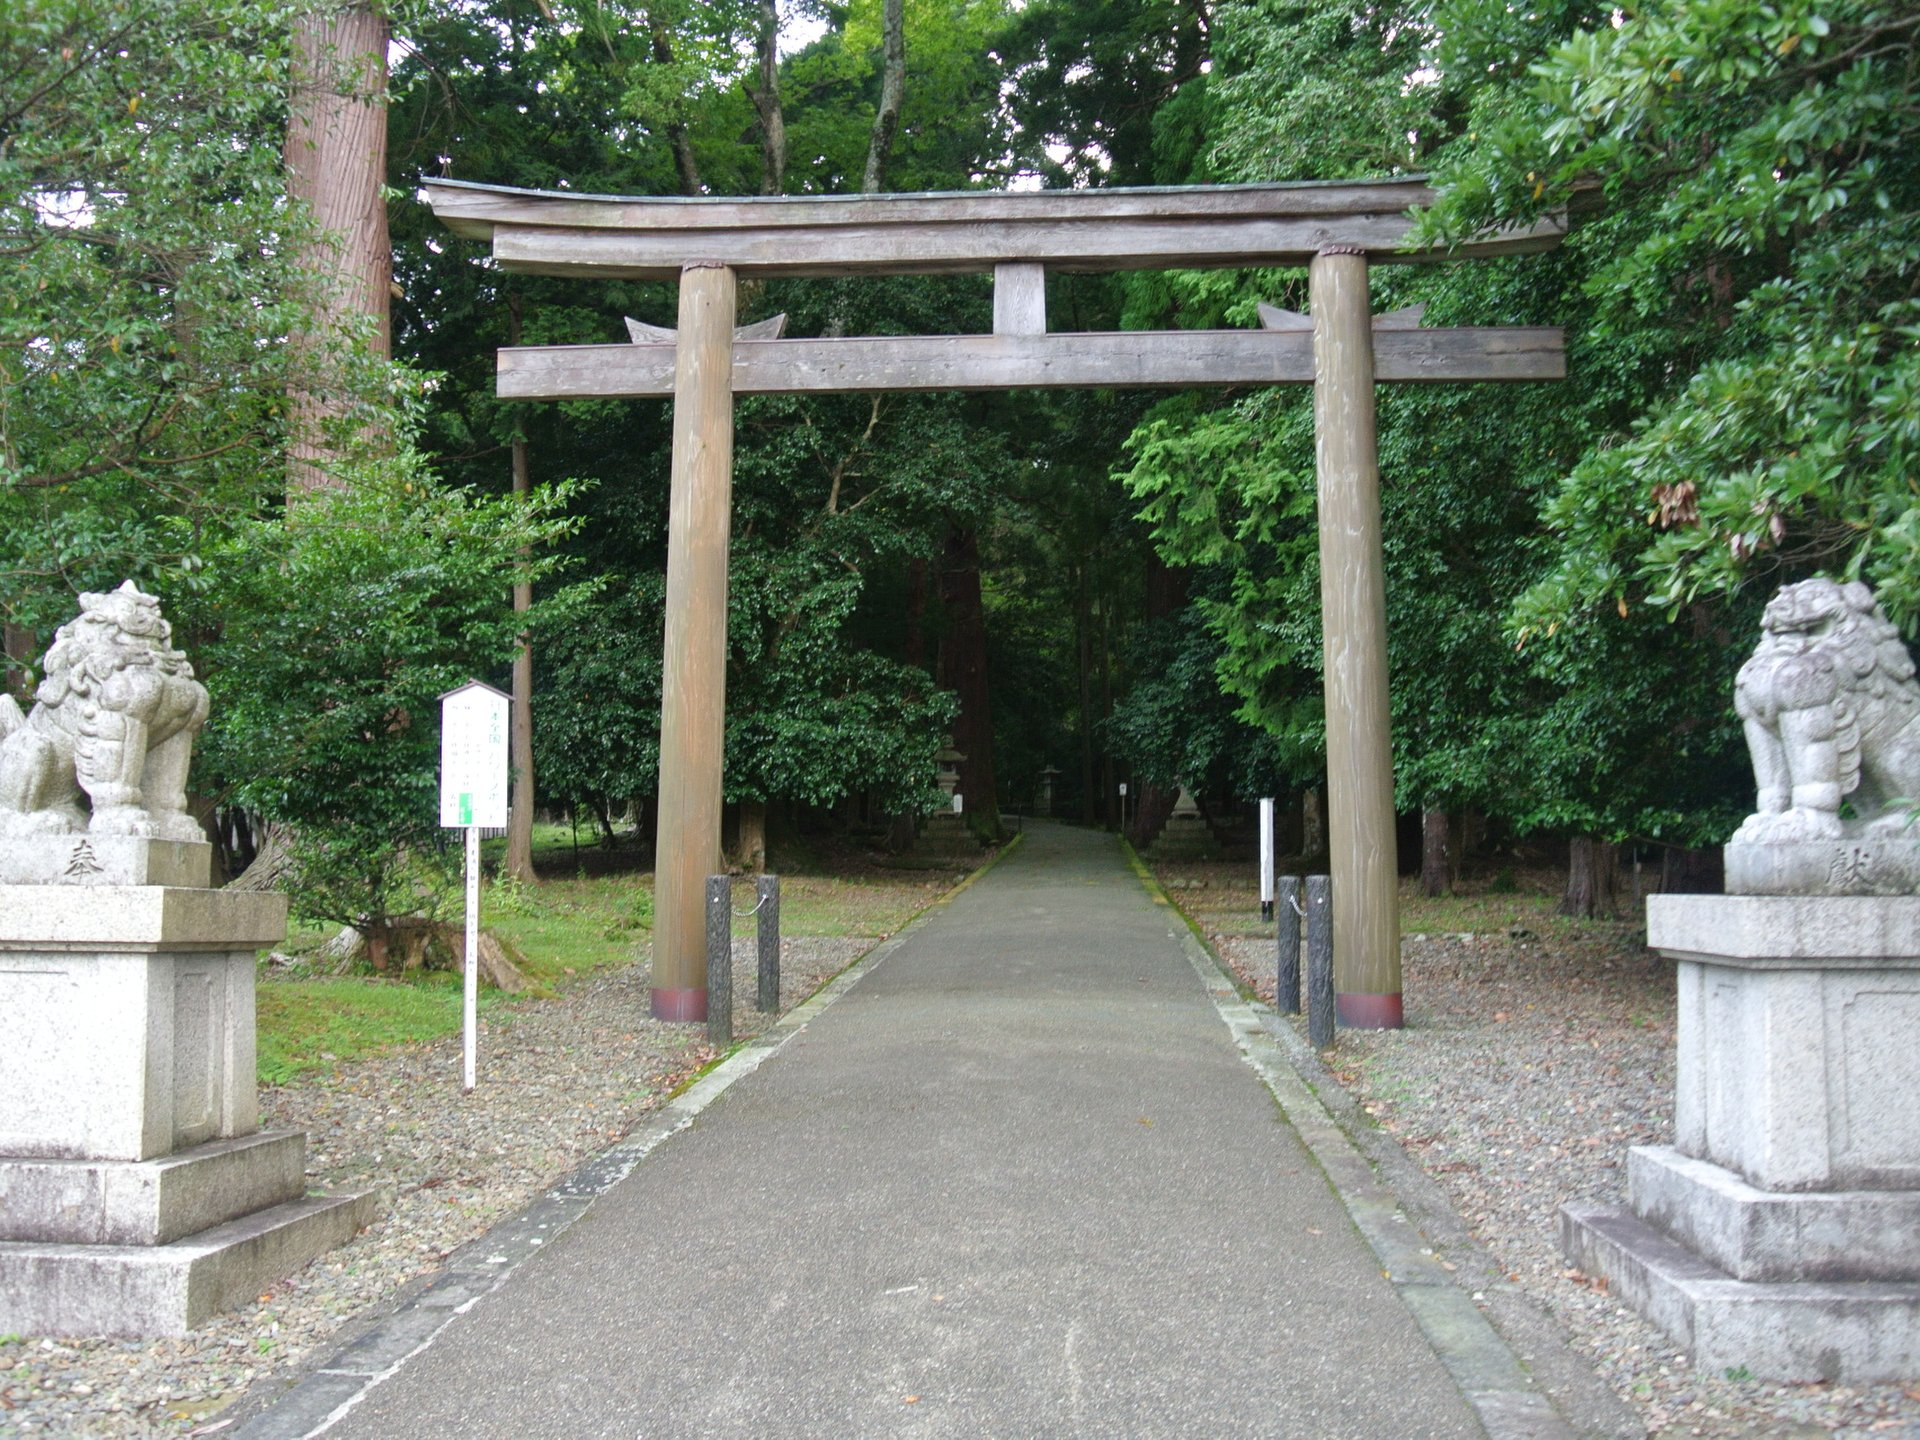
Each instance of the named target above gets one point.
<point>473,796</point>
<point>1266,859</point>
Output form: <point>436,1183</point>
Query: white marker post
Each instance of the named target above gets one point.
<point>473,796</point>
<point>1266,859</point>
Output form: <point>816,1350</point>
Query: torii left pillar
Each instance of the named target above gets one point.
<point>693,704</point>
<point>1353,615</point>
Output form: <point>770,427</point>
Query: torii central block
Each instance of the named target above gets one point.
<point>1337,229</point>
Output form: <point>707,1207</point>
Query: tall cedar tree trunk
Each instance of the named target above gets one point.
<point>1166,596</point>
<point>886,122</point>
<point>893,83</point>
<point>917,612</point>
<point>519,863</point>
<point>336,162</point>
<point>967,674</point>
<point>1593,879</point>
<point>1083,649</point>
<point>661,40</point>
<point>1109,791</point>
<point>750,841</point>
<point>766,102</point>
<point>1313,830</point>
<point>1436,851</point>
<point>903,828</point>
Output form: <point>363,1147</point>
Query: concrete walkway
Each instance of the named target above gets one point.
<point>1018,1181</point>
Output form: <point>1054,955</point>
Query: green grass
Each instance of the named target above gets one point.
<point>874,904</point>
<point>1228,904</point>
<point>307,1025</point>
<point>565,930</point>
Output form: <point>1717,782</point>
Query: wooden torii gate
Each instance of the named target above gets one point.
<point>1337,229</point>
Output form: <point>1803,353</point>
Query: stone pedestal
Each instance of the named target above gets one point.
<point>1186,835</point>
<point>946,833</point>
<point>137,1196</point>
<point>1781,1233</point>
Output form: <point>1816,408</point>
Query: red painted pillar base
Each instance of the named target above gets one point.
<point>1368,1012</point>
<point>686,1005</point>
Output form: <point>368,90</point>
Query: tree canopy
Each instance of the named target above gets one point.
<point>1099,586</point>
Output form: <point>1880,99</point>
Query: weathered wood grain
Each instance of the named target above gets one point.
<point>1353,608</point>
<point>546,233</point>
<point>770,252</point>
<point>1128,359</point>
<point>693,688</point>
<point>1019,299</point>
<point>473,209</point>
<point>644,334</point>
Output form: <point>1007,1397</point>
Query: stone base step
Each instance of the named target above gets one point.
<point>1771,1235</point>
<point>945,833</point>
<point>1794,1331</point>
<point>150,1290</point>
<point>1185,837</point>
<point>149,1202</point>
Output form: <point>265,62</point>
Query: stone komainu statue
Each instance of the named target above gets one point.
<point>1831,710</point>
<point>115,717</point>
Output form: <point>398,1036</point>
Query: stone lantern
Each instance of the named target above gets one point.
<point>949,761</point>
<point>1047,777</point>
<point>945,831</point>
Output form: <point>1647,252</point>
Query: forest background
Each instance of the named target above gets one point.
<point>242,365</point>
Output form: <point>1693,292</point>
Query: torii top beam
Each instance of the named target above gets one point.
<point>546,232</point>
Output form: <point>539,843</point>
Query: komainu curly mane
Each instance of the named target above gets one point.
<point>114,719</point>
<point>1832,714</point>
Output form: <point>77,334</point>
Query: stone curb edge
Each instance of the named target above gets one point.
<point>326,1392</point>
<point>1491,1376</point>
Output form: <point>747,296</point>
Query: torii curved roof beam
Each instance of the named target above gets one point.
<point>546,232</point>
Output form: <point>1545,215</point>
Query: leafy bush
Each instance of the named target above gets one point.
<point>339,627</point>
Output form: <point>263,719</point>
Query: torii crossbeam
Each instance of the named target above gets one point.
<point>1336,229</point>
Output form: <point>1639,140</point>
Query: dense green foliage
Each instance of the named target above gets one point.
<point>1574,570</point>
<point>332,633</point>
<point>145,295</point>
<point>1740,406</point>
<point>1759,173</point>
<point>145,303</point>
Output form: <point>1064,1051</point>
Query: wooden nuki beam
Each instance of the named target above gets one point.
<point>1127,359</point>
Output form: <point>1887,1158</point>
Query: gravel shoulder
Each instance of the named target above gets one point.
<point>1534,1057</point>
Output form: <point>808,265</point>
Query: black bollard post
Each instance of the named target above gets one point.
<point>1286,969</point>
<point>769,908</point>
<point>720,960</point>
<point>1320,960</point>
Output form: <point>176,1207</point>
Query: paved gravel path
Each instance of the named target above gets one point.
<point>1018,1181</point>
<point>1528,1067</point>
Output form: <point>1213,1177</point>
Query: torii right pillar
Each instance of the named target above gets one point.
<point>1353,599</point>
